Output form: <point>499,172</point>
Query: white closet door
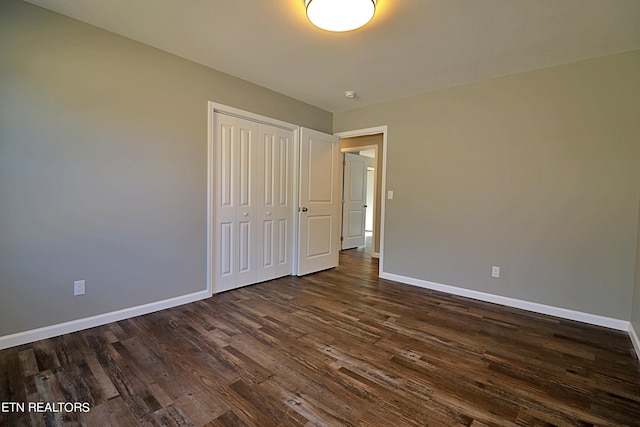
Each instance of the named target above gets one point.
<point>253,218</point>
<point>236,226</point>
<point>285,203</point>
<point>274,206</point>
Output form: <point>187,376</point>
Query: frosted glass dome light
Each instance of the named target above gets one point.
<point>340,15</point>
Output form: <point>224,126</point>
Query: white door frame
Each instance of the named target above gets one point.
<point>374,131</point>
<point>213,108</point>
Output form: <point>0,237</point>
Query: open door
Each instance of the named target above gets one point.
<point>354,201</point>
<point>319,206</point>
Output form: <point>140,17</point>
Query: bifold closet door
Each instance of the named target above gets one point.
<point>253,223</point>
<point>275,210</point>
<point>235,233</point>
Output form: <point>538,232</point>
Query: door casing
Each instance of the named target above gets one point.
<point>383,130</point>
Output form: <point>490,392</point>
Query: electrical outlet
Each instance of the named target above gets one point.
<point>78,287</point>
<point>495,271</point>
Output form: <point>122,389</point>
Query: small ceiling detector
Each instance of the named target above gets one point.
<point>350,94</point>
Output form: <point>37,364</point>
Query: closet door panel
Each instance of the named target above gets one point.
<point>235,252</point>
<point>246,239</point>
<point>283,264</point>
<point>284,204</point>
<point>267,244</point>
<point>225,233</point>
<point>225,229</point>
<point>269,176</point>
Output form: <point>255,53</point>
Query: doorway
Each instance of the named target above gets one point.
<point>370,143</point>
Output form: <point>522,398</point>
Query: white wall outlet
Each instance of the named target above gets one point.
<point>78,287</point>
<point>390,194</point>
<point>495,271</point>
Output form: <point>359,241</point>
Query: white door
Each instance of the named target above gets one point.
<point>274,194</point>
<point>235,233</point>
<point>319,202</point>
<point>253,216</point>
<point>354,201</point>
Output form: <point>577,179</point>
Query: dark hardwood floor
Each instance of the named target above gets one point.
<point>336,348</point>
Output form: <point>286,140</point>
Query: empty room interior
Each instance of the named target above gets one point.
<point>219,213</point>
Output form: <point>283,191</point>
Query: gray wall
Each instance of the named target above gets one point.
<point>635,310</point>
<point>103,167</point>
<point>536,173</point>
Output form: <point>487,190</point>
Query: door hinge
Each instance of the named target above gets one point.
<point>341,239</point>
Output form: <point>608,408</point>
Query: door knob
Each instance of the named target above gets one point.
<point>268,213</point>
<point>245,214</point>
<point>304,209</point>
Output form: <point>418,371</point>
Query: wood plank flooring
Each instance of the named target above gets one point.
<point>336,348</point>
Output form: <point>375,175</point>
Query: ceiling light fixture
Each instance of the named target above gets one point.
<point>340,15</point>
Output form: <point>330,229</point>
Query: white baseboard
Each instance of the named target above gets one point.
<point>594,319</point>
<point>634,339</point>
<point>101,319</point>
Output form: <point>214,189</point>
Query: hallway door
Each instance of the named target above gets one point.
<point>354,203</point>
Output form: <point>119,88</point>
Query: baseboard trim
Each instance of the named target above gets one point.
<point>634,339</point>
<point>101,319</point>
<point>26,337</point>
<point>594,319</point>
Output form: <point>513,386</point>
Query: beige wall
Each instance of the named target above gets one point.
<point>103,167</point>
<point>536,173</point>
<point>363,141</point>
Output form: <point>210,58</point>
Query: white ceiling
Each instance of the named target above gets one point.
<point>410,46</point>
